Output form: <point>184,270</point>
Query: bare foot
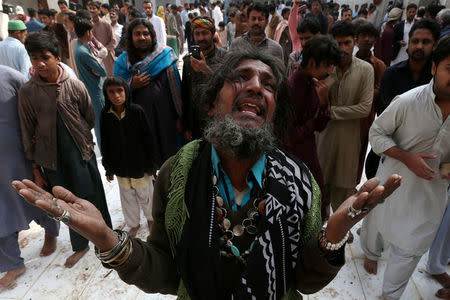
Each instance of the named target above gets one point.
<point>49,245</point>
<point>443,293</point>
<point>75,257</point>
<point>443,279</point>
<point>150,224</point>
<point>370,266</point>
<point>133,231</point>
<point>350,237</point>
<point>10,277</point>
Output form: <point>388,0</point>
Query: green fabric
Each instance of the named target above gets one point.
<point>312,222</point>
<point>176,211</point>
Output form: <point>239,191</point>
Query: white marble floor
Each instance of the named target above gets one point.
<point>46,277</point>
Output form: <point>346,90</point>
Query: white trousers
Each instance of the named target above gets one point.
<point>135,197</point>
<point>400,265</point>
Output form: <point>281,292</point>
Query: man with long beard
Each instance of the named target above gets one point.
<point>150,70</point>
<point>235,217</point>
<point>196,72</point>
<point>258,16</point>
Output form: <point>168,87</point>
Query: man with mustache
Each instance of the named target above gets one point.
<point>196,72</point>
<point>258,16</point>
<point>235,217</point>
<point>151,71</point>
<point>414,71</point>
<point>351,96</point>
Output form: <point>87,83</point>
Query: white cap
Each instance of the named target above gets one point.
<point>19,10</point>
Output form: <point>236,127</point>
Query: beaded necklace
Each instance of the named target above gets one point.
<point>249,225</point>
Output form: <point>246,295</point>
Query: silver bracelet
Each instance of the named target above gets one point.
<point>324,243</point>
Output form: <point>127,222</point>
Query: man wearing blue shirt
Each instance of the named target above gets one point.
<point>33,25</point>
<point>12,51</point>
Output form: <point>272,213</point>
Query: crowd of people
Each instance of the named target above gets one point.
<point>245,163</point>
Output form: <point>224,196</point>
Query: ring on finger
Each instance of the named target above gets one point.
<point>55,201</point>
<point>353,213</point>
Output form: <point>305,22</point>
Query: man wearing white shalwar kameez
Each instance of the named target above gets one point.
<point>409,219</point>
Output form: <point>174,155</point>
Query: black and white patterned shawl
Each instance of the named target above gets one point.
<point>270,271</point>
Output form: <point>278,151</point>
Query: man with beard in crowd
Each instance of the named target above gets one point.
<point>157,22</point>
<point>350,96</point>
<point>196,72</point>
<point>258,16</point>
<point>346,14</point>
<point>151,71</point>
<point>12,51</point>
<point>238,171</point>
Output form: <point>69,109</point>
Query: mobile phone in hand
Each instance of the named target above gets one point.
<point>195,52</point>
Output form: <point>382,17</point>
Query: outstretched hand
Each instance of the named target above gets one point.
<point>368,196</point>
<point>85,218</point>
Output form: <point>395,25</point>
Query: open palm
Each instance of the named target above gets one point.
<point>85,218</point>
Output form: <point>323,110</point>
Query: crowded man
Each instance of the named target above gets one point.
<point>275,19</point>
<point>413,136</point>
<point>104,33</point>
<point>33,25</point>
<point>242,19</point>
<point>346,14</point>
<point>316,12</point>
<point>116,26</point>
<point>196,72</point>
<point>151,71</point>
<point>414,71</point>
<point>383,46</point>
<point>443,18</point>
<point>90,71</point>
<point>16,213</point>
<point>20,15</point>
<point>401,35</point>
<point>56,119</point>
<point>350,96</point>
<point>157,22</point>
<point>311,105</point>
<point>366,34</point>
<point>258,15</point>
<point>172,30</point>
<point>47,17</point>
<point>64,8</point>
<point>238,171</point>
<point>12,51</point>
<point>306,29</point>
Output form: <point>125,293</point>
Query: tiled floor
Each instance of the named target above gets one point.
<point>46,278</point>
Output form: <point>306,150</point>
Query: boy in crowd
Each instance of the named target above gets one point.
<point>127,151</point>
<point>56,118</point>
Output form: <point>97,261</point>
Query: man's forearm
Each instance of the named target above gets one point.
<point>397,153</point>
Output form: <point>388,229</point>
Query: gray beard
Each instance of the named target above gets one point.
<point>239,141</point>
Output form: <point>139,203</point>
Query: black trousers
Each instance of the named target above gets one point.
<point>80,177</point>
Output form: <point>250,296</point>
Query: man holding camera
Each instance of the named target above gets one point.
<point>196,69</point>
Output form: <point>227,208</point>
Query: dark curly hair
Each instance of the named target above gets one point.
<point>225,71</point>
<point>131,49</point>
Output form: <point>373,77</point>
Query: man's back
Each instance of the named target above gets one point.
<point>13,54</point>
<point>160,29</point>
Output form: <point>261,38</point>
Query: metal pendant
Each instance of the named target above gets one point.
<point>238,230</point>
<point>226,224</point>
<point>219,201</point>
<point>251,212</point>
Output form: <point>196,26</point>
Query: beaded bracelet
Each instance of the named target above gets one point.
<point>325,244</point>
